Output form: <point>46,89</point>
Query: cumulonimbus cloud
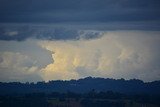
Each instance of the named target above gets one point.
<point>117,54</point>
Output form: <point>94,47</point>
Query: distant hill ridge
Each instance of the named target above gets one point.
<point>133,86</point>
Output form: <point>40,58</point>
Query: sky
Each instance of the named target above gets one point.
<point>43,40</point>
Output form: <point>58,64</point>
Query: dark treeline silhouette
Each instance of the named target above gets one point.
<point>84,85</point>
<point>86,92</point>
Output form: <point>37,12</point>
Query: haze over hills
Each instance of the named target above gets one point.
<point>84,85</point>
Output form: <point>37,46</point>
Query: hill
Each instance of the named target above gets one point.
<point>83,85</point>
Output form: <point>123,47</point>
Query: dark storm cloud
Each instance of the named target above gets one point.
<point>76,11</point>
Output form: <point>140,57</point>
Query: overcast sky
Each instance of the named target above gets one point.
<point>43,40</point>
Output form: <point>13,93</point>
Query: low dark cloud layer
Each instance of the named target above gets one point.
<point>79,11</point>
<point>23,32</point>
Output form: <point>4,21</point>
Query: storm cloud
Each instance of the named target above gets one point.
<point>117,54</point>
